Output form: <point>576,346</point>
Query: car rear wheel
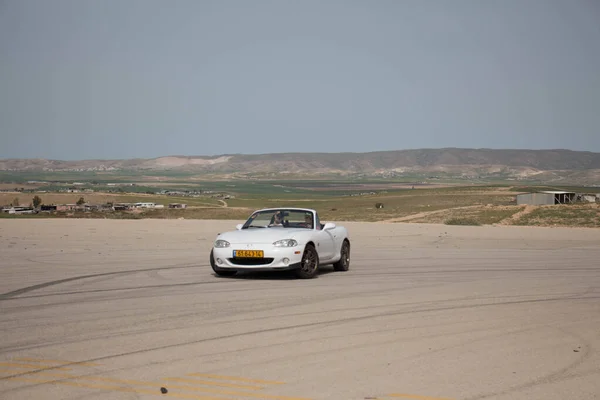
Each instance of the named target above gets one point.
<point>220,271</point>
<point>309,264</point>
<point>344,263</point>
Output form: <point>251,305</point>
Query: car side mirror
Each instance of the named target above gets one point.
<point>329,225</point>
<point>239,227</point>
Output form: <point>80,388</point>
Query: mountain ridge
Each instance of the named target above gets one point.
<point>518,163</point>
<point>546,159</point>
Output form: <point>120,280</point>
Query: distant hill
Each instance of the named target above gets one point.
<point>548,165</point>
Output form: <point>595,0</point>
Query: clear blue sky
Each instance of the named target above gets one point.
<point>144,78</point>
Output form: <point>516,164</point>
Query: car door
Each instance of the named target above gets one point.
<point>326,241</point>
<point>325,244</point>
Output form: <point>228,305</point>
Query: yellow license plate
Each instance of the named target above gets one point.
<point>248,253</point>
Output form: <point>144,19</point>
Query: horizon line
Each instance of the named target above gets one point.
<point>304,153</point>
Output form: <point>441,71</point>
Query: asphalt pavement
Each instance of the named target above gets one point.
<point>105,309</point>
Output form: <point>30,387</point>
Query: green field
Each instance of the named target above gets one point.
<point>334,199</point>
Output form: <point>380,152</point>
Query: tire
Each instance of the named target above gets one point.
<point>309,266</point>
<point>344,262</point>
<point>220,271</point>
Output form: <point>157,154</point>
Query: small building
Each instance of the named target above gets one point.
<point>19,210</point>
<point>98,207</point>
<point>123,207</point>
<point>590,197</point>
<point>177,205</point>
<point>66,207</point>
<point>546,198</point>
<point>145,205</point>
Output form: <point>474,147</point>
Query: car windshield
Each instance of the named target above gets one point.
<point>280,218</point>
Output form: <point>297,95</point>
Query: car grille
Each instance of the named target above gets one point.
<point>251,261</point>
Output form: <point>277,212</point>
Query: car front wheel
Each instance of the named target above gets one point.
<point>309,264</point>
<point>344,263</point>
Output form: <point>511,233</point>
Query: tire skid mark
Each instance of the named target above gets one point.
<point>360,308</point>
<point>379,293</point>
<point>326,298</point>
<point>323,323</point>
<point>105,291</point>
<point>416,271</point>
<point>150,330</point>
<point>311,324</point>
<point>231,280</point>
<point>284,306</point>
<point>366,345</point>
<point>8,295</point>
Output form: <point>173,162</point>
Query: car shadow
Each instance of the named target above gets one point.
<point>275,275</point>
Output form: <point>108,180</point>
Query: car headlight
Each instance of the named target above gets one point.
<point>222,243</point>
<point>285,243</point>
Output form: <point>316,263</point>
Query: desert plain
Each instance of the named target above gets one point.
<point>130,309</point>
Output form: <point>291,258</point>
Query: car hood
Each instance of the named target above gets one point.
<point>261,235</point>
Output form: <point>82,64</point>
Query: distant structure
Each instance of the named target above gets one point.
<point>18,210</point>
<point>546,198</point>
<point>590,197</point>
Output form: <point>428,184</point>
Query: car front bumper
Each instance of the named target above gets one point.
<point>275,258</point>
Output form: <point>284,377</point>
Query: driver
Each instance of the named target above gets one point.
<point>308,220</point>
<point>277,218</point>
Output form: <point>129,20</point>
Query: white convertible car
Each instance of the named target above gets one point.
<point>278,239</point>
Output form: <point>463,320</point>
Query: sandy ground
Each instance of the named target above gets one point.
<point>101,309</point>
